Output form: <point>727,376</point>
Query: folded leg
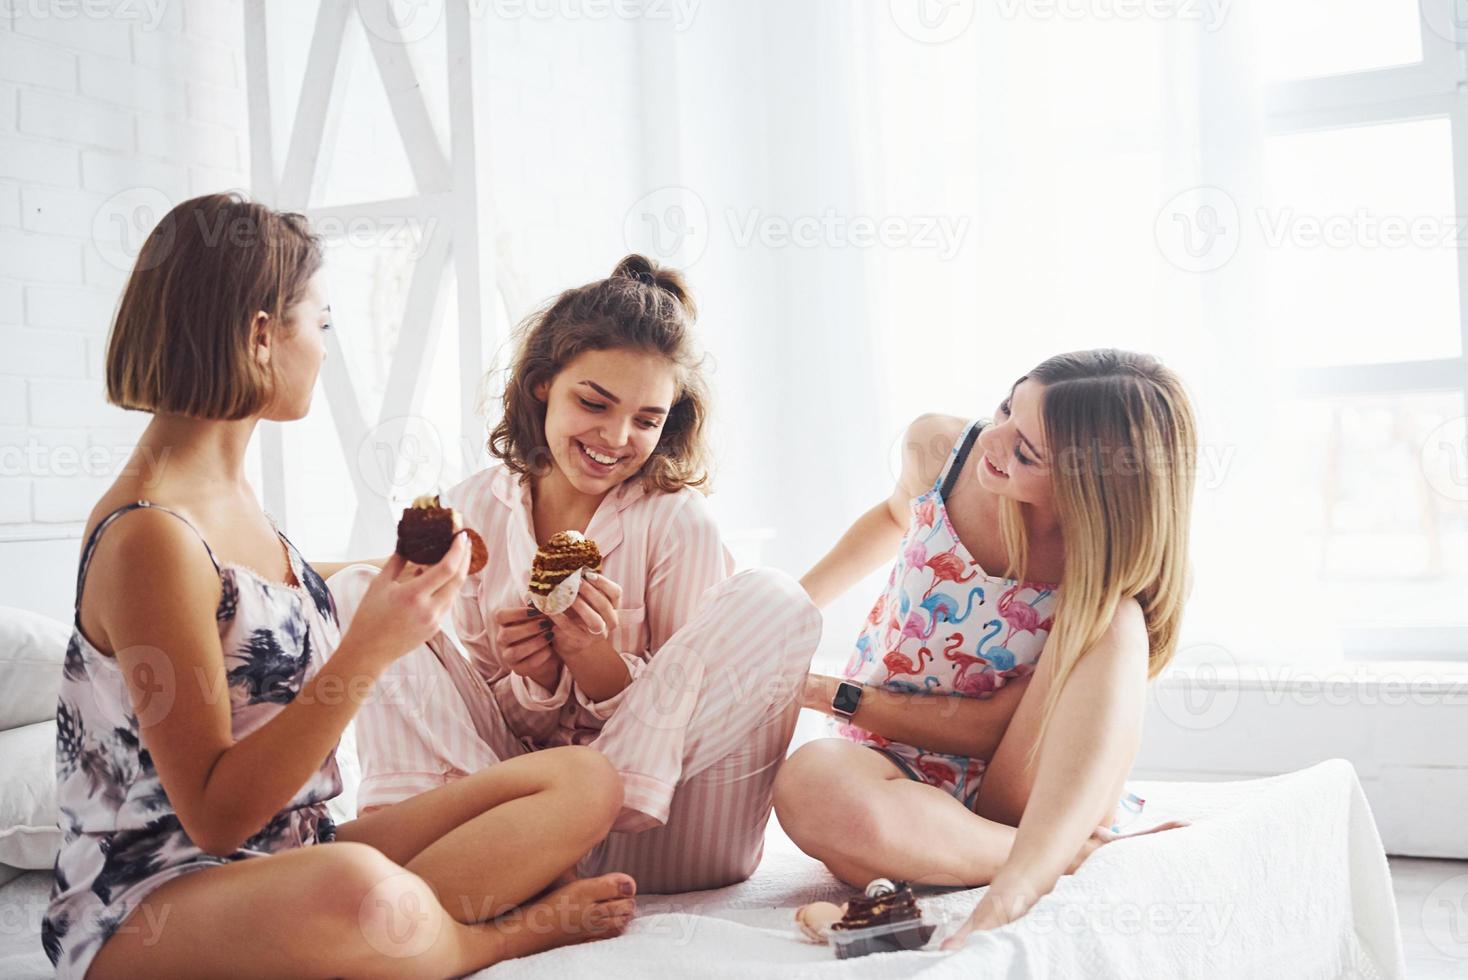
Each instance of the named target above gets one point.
<point>430,718</point>
<point>702,732</point>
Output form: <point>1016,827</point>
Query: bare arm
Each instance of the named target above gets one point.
<point>948,723</point>
<point>874,538</point>
<point>154,593</point>
<point>937,722</point>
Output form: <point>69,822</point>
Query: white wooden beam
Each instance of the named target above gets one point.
<point>257,89</point>
<point>318,110</point>
<point>1365,379</point>
<point>467,35</point>
<point>262,181</point>
<point>407,381</point>
<point>351,432</point>
<point>422,317</point>
<point>454,212</point>
<point>437,208</point>
<point>405,96</point>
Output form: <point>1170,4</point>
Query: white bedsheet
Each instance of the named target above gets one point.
<point>1281,877</point>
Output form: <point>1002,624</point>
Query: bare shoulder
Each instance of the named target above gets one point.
<point>147,564</point>
<point>926,444</point>
<point>1127,632</point>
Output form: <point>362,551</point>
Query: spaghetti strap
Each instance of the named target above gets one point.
<point>949,475</point>
<point>104,523</point>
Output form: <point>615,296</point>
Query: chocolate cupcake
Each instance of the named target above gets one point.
<point>426,531</point>
<point>559,558</point>
<point>886,920</point>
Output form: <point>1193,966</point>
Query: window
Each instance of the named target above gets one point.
<point>1367,278</point>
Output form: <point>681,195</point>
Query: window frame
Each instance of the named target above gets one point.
<point>1434,88</point>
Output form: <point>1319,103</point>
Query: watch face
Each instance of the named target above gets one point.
<point>847,699</point>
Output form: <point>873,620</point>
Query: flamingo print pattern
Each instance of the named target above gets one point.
<point>987,631</point>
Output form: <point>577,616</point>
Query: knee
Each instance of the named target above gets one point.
<point>784,602</point>
<point>596,783</point>
<point>772,587</point>
<point>359,888</point>
<point>816,803</point>
<point>401,918</point>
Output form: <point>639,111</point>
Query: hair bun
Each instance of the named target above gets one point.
<point>640,268</point>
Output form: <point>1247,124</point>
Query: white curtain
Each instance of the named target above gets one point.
<point>1036,184</point>
<point>898,207</point>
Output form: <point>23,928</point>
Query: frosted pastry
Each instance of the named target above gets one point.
<point>559,565</point>
<point>426,531</point>
<point>885,920</point>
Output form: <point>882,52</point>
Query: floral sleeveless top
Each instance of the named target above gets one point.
<point>121,838</point>
<point>945,626</point>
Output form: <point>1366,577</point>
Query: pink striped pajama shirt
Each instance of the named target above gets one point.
<point>717,663</point>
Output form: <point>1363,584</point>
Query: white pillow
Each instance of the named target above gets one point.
<point>29,834</point>
<point>32,648</point>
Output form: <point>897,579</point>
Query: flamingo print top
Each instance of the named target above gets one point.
<point>945,626</point>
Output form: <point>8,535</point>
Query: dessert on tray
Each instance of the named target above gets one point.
<point>887,919</point>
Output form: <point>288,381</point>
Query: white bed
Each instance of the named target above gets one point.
<point>1281,877</point>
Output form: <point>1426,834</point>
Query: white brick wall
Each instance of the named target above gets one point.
<point>144,95</point>
<point>149,101</point>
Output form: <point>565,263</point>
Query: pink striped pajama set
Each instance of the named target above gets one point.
<point>717,664</point>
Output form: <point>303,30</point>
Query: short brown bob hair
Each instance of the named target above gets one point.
<point>640,306</point>
<point>181,343</point>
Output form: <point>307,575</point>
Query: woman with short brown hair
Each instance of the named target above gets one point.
<point>207,683</point>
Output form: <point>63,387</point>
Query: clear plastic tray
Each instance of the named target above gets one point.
<point>885,938</point>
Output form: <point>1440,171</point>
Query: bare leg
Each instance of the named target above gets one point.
<point>1081,768</point>
<point>338,910</point>
<point>489,841</point>
<point>701,734</point>
<point>854,811</point>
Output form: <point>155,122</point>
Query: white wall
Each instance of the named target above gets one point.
<point>105,121</point>
<point>561,96</point>
<point>1400,724</point>
<point>99,116</point>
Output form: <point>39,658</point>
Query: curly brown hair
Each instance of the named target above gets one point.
<point>640,306</point>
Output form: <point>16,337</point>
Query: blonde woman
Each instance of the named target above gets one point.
<point>965,758</point>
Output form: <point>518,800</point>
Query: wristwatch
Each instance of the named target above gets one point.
<point>847,700</point>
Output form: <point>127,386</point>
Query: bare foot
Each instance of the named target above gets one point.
<point>562,880</point>
<point>1001,905</point>
<point>594,908</point>
<point>1103,835</point>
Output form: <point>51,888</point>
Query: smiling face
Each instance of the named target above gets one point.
<point>604,415</point>
<point>1013,460</point>
<point>294,351</point>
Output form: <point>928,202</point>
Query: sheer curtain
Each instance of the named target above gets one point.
<point>995,184</point>
<point>899,207</point>
<point>1103,163</point>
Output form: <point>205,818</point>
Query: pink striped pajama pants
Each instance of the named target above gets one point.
<point>698,736</point>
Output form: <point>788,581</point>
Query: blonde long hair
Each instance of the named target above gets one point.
<point>1122,442</point>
